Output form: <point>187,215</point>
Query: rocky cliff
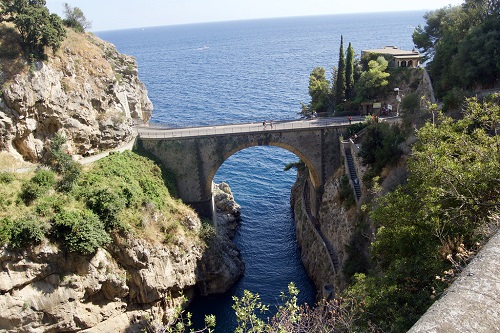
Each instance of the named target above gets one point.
<point>222,265</point>
<point>314,253</point>
<point>129,286</point>
<point>345,229</point>
<point>91,94</point>
<point>86,91</point>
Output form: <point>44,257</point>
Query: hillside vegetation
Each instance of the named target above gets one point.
<point>427,229</point>
<point>122,193</point>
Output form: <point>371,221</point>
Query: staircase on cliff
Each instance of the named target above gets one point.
<point>352,174</point>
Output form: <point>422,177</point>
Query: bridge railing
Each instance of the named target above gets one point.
<point>164,133</point>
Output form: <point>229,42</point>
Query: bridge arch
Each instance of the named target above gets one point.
<point>313,172</point>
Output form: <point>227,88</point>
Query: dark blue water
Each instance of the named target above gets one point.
<point>244,71</point>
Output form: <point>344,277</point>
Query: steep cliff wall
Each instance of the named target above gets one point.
<point>86,91</point>
<point>121,288</point>
<point>44,289</point>
<point>314,254</point>
<point>336,224</point>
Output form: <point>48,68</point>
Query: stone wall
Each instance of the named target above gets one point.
<point>472,302</point>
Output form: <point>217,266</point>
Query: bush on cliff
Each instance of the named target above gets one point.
<point>24,231</point>
<point>81,230</point>
<point>123,183</point>
<point>41,182</point>
<point>61,162</point>
<point>120,193</point>
<point>380,147</point>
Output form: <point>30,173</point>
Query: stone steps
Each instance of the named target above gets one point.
<point>352,174</point>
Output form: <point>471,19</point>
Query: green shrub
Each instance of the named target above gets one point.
<point>6,177</point>
<point>44,178</point>
<point>5,226</point>
<point>355,128</point>
<point>152,191</point>
<point>70,175</point>
<point>41,182</point>
<point>81,230</point>
<point>207,231</point>
<point>380,145</point>
<point>31,191</point>
<point>26,231</point>
<point>346,192</point>
<point>121,181</point>
<point>107,204</point>
<point>299,166</point>
<point>49,206</point>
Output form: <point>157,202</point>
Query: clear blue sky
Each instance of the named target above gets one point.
<point>123,14</point>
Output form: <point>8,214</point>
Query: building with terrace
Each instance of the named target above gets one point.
<point>398,57</point>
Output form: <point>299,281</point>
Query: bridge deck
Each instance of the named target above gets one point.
<point>166,133</point>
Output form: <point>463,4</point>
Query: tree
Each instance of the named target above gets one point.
<point>380,145</point>
<point>372,82</point>
<point>340,83</point>
<point>62,163</point>
<point>461,43</point>
<point>74,18</point>
<point>434,221</point>
<point>477,59</point>
<point>319,90</point>
<point>349,72</point>
<point>37,27</point>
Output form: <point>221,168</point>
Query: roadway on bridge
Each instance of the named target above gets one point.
<point>165,132</point>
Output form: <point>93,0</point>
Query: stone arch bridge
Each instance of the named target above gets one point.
<point>195,154</point>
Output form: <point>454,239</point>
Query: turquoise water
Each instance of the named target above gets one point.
<point>232,72</point>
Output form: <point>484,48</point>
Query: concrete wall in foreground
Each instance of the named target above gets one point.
<point>472,303</point>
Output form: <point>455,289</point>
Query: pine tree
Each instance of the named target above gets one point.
<point>340,85</point>
<point>349,73</point>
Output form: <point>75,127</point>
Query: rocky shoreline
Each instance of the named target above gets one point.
<point>222,264</point>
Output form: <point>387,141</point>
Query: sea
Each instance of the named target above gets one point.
<point>251,71</point>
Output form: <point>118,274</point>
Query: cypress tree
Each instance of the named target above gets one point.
<point>349,72</point>
<point>340,85</point>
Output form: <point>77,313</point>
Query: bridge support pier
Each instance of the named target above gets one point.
<point>205,209</point>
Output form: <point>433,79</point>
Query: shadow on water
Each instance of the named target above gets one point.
<point>266,236</point>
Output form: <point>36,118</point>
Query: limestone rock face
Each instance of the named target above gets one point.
<point>314,254</point>
<point>46,289</point>
<point>338,225</point>
<point>221,267</point>
<point>86,91</point>
<point>228,211</point>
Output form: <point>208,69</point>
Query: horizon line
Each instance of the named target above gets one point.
<point>261,19</point>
